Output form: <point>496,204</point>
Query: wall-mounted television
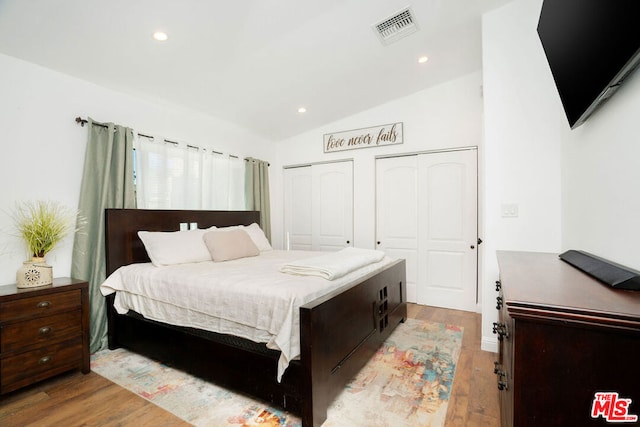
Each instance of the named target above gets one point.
<point>591,47</point>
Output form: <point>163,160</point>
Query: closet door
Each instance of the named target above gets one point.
<point>332,212</point>
<point>448,237</point>
<point>298,210</point>
<point>318,210</point>
<point>426,212</point>
<point>397,213</point>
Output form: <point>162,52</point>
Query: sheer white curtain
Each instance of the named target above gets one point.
<point>178,176</point>
<point>222,181</point>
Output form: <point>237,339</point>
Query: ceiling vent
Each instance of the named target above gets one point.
<point>395,27</point>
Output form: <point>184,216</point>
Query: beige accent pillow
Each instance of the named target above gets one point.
<point>256,234</point>
<point>225,245</point>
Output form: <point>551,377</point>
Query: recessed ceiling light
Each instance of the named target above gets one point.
<point>160,36</point>
<point>422,59</point>
<point>302,110</point>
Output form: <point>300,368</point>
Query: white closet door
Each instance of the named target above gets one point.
<point>448,237</point>
<point>426,212</point>
<point>397,213</point>
<point>298,208</point>
<point>318,212</point>
<point>332,217</point>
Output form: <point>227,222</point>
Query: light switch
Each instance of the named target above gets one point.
<point>184,226</point>
<point>193,226</point>
<point>509,210</point>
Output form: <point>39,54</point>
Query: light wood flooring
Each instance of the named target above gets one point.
<point>75,399</point>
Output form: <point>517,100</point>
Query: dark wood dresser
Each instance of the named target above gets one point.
<point>44,331</point>
<point>563,337</point>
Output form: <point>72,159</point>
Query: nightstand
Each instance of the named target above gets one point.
<point>44,331</point>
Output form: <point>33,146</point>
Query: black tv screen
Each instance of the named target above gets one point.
<point>591,46</point>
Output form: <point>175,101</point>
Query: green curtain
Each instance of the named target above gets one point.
<point>256,182</point>
<point>107,182</point>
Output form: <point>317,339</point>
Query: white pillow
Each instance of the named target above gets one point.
<point>258,237</point>
<point>255,232</point>
<point>225,245</point>
<point>175,247</point>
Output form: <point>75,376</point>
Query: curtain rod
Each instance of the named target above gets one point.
<point>82,122</point>
<point>250,159</point>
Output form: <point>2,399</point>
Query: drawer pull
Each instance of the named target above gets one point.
<point>44,304</point>
<point>501,330</point>
<point>44,360</point>
<point>45,330</point>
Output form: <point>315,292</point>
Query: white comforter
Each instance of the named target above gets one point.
<point>248,297</point>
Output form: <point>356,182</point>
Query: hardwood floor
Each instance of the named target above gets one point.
<point>75,399</point>
<point>474,397</point>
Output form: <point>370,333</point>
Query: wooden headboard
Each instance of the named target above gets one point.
<point>124,247</point>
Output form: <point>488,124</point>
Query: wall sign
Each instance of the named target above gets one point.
<point>390,134</point>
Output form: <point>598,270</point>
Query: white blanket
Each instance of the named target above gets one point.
<point>333,265</point>
<point>247,297</point>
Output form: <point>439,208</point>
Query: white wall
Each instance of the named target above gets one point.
<point>601,180</point>
<point>523,121</point>
<point>43,148</point>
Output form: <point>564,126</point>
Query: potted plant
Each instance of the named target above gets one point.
<point>42,225</point>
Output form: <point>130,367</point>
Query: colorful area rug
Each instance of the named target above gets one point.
<point>406,383</point>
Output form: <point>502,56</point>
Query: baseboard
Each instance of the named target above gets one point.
<point>489,344</point>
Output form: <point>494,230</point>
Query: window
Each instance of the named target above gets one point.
<point>170,175</point>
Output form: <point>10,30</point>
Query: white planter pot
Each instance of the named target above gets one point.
<point>34,273</point>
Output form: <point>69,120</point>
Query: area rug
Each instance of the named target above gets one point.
<point>406,383</point>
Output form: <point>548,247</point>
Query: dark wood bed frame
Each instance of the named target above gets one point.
<point>339,332</point>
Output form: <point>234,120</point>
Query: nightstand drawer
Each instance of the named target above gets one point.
<point>25,368</point>
<point>39,305</point>
<point>40,331</point>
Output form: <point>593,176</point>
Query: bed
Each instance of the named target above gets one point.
<point>339,332</point>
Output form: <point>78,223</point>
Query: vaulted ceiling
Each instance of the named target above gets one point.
<point>251,62</point>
